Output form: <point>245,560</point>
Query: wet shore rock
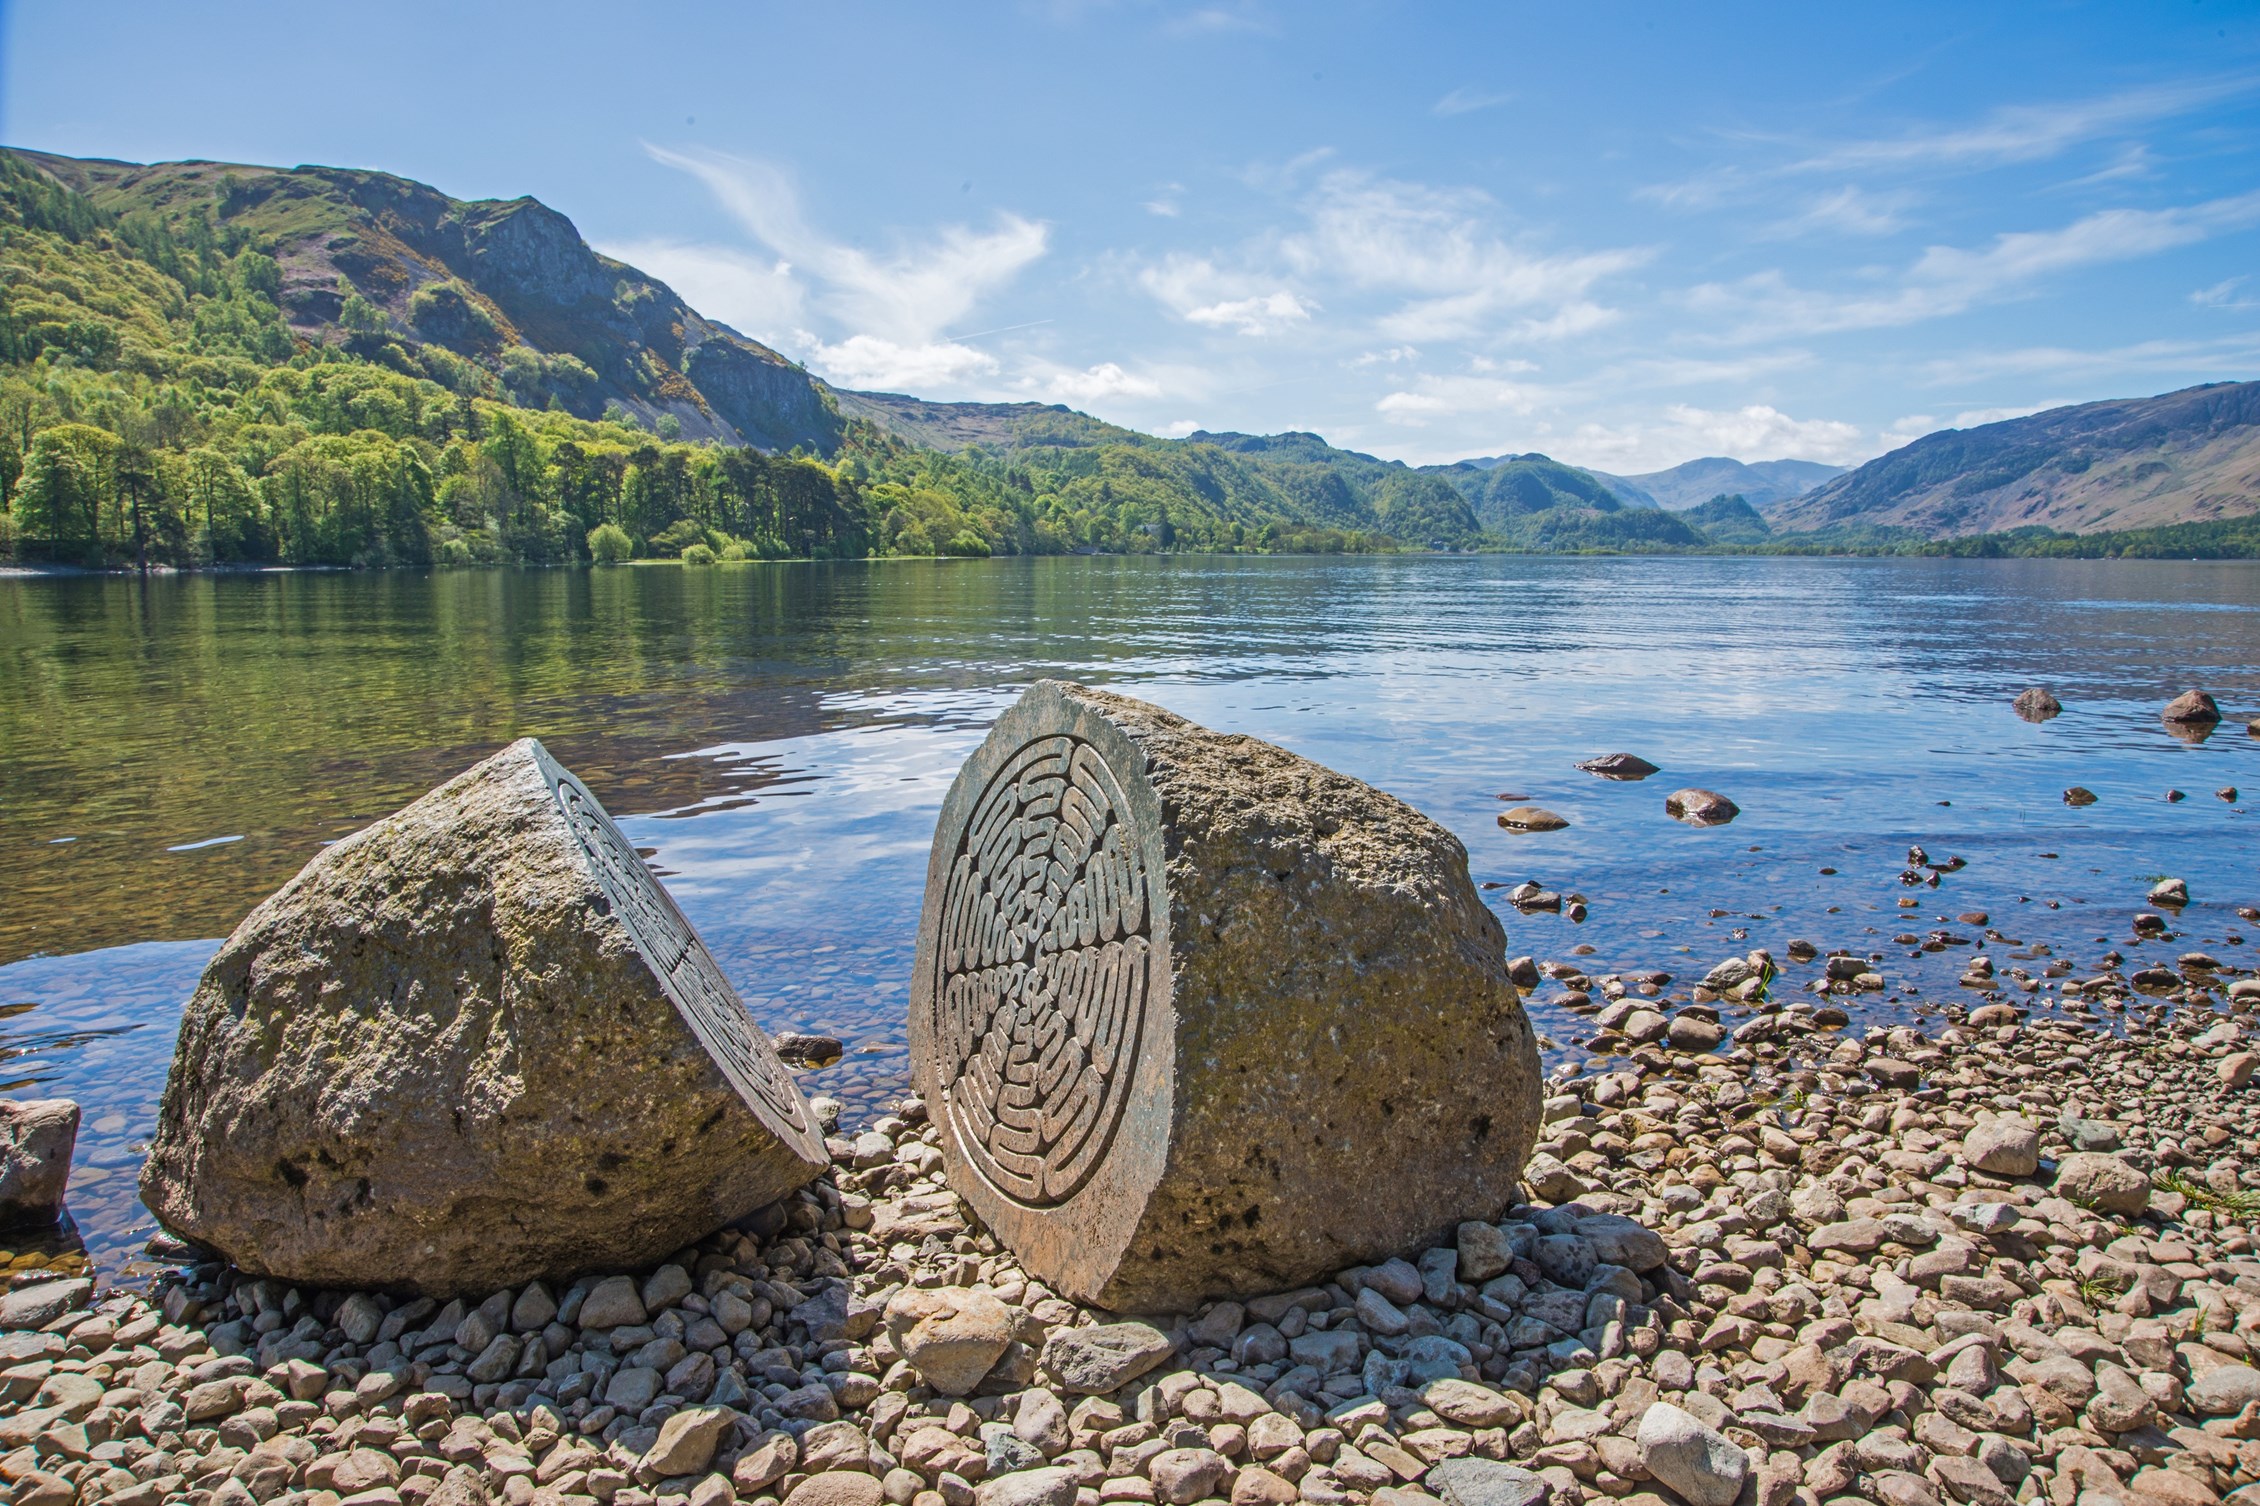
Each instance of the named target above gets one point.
<point>2038,704</point>
<point>36,1139</point>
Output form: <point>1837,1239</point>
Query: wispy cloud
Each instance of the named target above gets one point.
<point>2008,134</point>
<point>1849,210</point>
<point>2233,356</point>
<point>1946,280</point>
<point>2225,295</point>
<point>1436,249</point>
<point>893,306</point>
<point>1467,99</point>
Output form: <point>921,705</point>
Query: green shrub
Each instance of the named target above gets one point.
<point>609,544</point>
<point>698,554</point>
<point>967,543</point>
<point>455,554</point>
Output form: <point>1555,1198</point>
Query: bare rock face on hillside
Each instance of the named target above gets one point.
<point>1198,1017</point>
<point>472,1044</point>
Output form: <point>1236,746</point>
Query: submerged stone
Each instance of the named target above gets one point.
<point>472,1044</point>
<point>1197,1017</point>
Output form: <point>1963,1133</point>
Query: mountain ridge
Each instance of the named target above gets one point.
<point>2188,456</point>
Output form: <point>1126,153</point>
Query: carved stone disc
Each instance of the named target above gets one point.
<point>1042,971</point>
<point>686,970</point>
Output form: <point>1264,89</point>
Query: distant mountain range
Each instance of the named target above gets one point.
<point>2191,456</point>
<point>191,279</point>
<point>1693,482</point>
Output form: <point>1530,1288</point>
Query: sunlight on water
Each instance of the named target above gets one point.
<point>780,738</point>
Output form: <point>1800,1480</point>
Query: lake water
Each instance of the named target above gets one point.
<point>779,738</point>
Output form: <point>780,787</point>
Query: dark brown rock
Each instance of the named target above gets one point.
<point>2079,794</point>
<point>1619,766</point>
<point>1532,818</point>
<point>2038,705</point>
<point>472,1044</point>
<point>1197,1017</point>
<point>2192,707</point>
<point>1700,807</point>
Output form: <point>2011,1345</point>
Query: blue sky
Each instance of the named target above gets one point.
<point>1625,235</point>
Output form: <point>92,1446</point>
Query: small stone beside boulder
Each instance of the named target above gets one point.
<point>952,1336</point>
<point>37,1136</point>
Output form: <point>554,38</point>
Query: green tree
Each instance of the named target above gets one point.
<point>609,544</point>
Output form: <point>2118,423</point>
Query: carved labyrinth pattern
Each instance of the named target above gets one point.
<point>1042,971</point>
<point>687,970</point>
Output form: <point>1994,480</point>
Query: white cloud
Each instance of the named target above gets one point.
<point>1756,432</point>
<point>2009,134</point>
<point>1849,210</point>
<point>1435,248</point>
<point>900,301</point>
<point>755,295</point>
<point>1262,315</point>
<point>1392,356</point>
<point>1434,397</point>
<point>2023,133</point>
<point>1094,384</point>
<point>1946,280</point>
<point>873,362</point>
<point>2231,356</point>
<point>2223,295</point>
<point>1179,428</point>
<point>1466,100</point>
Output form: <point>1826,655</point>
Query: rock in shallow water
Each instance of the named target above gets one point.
<point>1619,766</point>
<point>1170,980</point>
<point>2192,708</point>
<point>471,1044</point>
<point>1532,818</point>
<point>36,1139</point>
<point>2038,705</point>
<point>1700,807</point>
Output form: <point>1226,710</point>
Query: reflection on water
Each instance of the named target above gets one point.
<point>781,737</point>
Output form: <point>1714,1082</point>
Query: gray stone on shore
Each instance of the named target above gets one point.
<point>1105,1356</point>
<point>1173,980</point>
<point>951,1336</point>
<point>2225,1390</point>
<point>2103,1182</point>
<point>36,1139</point>
<point>1701,1464</point>
<point>1487,1482</point>
<point>2003,1145</point>
<point>472,1044</point>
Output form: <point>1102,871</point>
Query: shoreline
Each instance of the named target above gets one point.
<point>1796,1246</point>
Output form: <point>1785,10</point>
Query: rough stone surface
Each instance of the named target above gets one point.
<point>1487,1482</point>
<point>2225,1390</point>
<point>36,1136</point>
<point>1532,818</point>
<point>950,1336</point>
<point>1703,1465</point>
<point>1104,1356</point>
<point>471,1044</point>
<point>2006,1146</point>
<point>2105,1183</point>
<point>1171,980</point>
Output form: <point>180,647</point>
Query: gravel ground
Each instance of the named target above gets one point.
<point>1763,1262</point>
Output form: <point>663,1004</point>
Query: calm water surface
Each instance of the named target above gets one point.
<point>778,740</point>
